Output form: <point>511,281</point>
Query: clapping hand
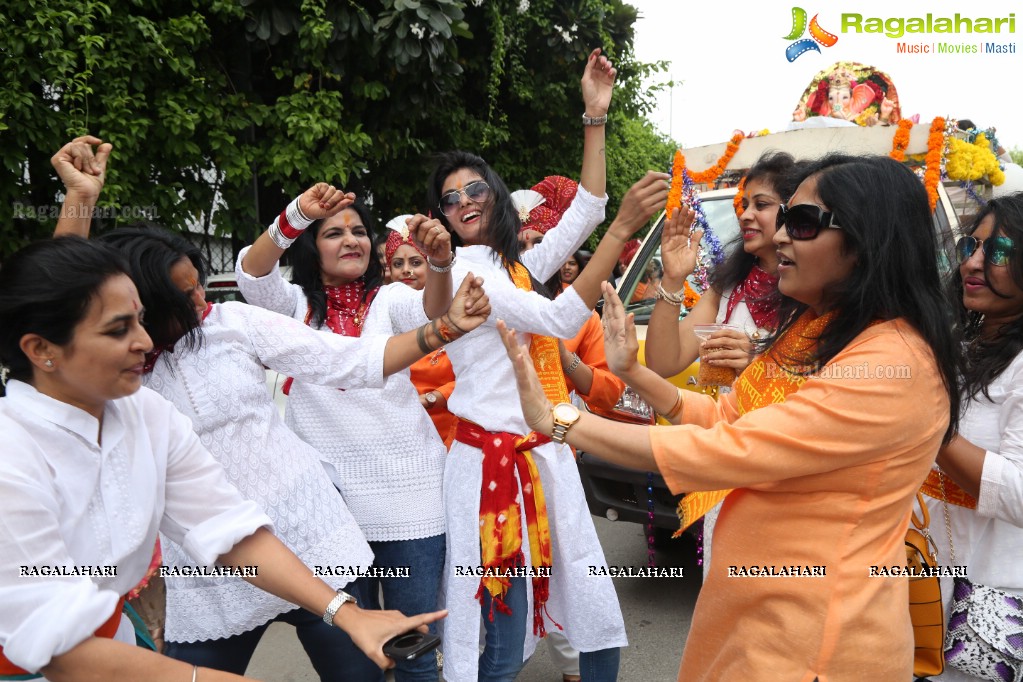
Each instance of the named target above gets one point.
<point>470,308</point>
<point>82,170</point>
<point>323,200</point>
<point>621,345</point>
<point>432,237</point>
<point>598,82</point>
<point>679,245</point>
<point>536,408</point>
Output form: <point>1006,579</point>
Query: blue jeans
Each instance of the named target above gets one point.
<point>332,653</point>
<point>501,659</point>
<point>413,595</point>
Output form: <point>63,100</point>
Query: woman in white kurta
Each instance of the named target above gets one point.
<point>982,469</point>
<point>477,208</point>
<point>94,467</point>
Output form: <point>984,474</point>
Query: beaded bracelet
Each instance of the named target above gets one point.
<point>441,269</point>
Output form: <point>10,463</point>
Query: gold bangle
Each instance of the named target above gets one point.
<point>676,409</point>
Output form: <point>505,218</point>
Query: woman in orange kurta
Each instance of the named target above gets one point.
<point>824,442</point>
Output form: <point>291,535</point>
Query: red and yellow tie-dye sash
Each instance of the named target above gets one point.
<point>763,383</point>
<point>543,350</point>
<point>500,516</point>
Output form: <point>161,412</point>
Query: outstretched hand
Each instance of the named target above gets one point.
<point>621,346</point>
<point>679,245</point>
<point>598,82</point>
<point>536,408</point>
<point>373,628</point>
<point>432,237</point>
<point>640,203</point>
<point>82,170</point>
<point>323,200</point>
<point>470,307</point>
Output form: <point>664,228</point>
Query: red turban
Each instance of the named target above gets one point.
<point>558,192</point>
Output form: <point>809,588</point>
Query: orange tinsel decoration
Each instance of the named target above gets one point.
<point>901,140</point>
<point>935,147</point>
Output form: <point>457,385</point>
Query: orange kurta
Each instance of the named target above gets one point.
<point>588,344</point>
<point>434,373</point>
<point>826,478</point>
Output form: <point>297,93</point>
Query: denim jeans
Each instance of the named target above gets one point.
<point>501,659</point>
<point>413,595</point>
<point>332,653</point>
<point>599,666</point>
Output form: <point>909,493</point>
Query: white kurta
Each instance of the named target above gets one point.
<point>380,440</point>
<point>221,387</point>
<point>66,500</point>
<point>485,393</point>
<point>988,540</point>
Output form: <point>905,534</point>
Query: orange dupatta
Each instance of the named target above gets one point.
<point>764,382</point>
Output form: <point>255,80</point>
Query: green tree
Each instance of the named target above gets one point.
<point>219,111</point>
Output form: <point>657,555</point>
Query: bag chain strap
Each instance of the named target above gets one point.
<point>948,518</point>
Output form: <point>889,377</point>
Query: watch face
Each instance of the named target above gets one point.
<point>566,413</point>
<point>431,398</point>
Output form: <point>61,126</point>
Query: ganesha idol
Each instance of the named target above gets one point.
<point>851,92</point>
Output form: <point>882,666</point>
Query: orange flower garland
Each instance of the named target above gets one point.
<point>901,140</point>
<point>711,174</point>
<point>935,147</point>
<point>737,199</point>
<point>690,297</point>
<point>675,191</point>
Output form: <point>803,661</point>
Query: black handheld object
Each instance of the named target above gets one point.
<point>410,646</point>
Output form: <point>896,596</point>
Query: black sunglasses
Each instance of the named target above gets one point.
<point>997,250</point>
<point>804,221</point>
<point>477,192</point>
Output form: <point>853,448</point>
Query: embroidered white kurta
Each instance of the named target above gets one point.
<point>988,540</point>
<point>485,393</point>
<point>221,387</point>
<point>381,441</point>
<point>66,500</point>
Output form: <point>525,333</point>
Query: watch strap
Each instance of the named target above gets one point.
<point>339,600</point>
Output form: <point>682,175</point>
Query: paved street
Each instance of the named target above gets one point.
<point>657,615</point>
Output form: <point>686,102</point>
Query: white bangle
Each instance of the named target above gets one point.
<point>575,363</point>
<point>674,299</point>
<point>278,238</point>
<point>441,269</point>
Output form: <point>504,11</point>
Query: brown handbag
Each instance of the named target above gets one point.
<point>925,606</point>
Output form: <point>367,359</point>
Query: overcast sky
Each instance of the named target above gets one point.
<point>728,63</point>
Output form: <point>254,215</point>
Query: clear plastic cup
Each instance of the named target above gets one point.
<point>711,375</point>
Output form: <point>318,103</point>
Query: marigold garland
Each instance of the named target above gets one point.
<point>690,297</point>
<point>714,172</point>
<point>675,190</point>
<point>973,162</point>
<point>901,140</point>
<point>737,199</point>
<point>935,148</point>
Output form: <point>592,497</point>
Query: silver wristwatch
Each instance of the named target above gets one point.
<point>594,120</point>
<point>339,600</point>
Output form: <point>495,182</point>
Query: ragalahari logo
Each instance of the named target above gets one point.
<point>818,35</point>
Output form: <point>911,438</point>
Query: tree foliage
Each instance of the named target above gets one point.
<point>219,111</point>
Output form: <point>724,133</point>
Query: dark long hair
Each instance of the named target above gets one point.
<point>151,252</point>
<point>886,223</point>
<point>46,289</point>
<point>502,220</point>
<point>986,358</point>
<point>305,265</point>
<point>778,170</point>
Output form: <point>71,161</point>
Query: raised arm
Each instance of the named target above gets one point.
<point>83,172</point>
<point>319,201</point>
<point>597,84</point>
<point>638,205</point>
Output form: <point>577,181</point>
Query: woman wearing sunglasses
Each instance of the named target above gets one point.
<point>382,443</point>
<point>536,521</point>
<point>819,450</point>
<point>743,290</point>
<point>977,488</point>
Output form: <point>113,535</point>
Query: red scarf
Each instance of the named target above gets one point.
<point>346,313</point>
<point>154,355</point>
<point>759,290</point>
<point>500,516</point>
